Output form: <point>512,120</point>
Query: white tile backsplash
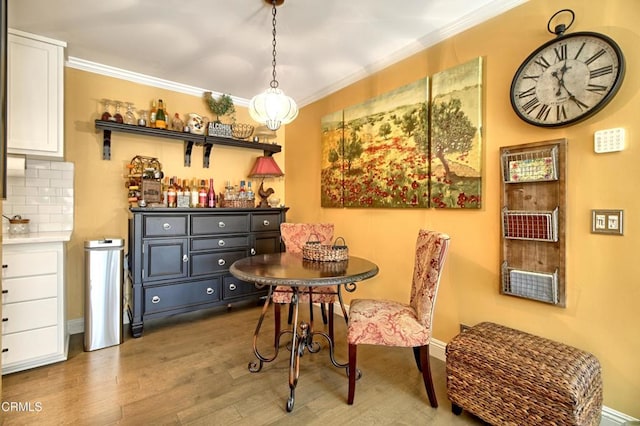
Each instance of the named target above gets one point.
<point>44,196</point>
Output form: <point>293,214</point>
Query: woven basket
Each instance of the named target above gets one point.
<point>313,250</point>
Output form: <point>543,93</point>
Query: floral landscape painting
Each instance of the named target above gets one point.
<point>375,153</point>
<point>412,147</point>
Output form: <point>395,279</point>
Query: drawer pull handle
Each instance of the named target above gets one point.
<point>4,266</point>
<point>221,262</point>
<point>5,291</point>
<point>210,290</point>
<point>232,287</point>
<point>265,222</point>
<point>155,299</point>
<point>221,243</point>
<point>5,350</point>
<point>221,224</point>
<point>185,258</point>
<point>253,251</point>
<point>5,319</point>
<point>166,226</point>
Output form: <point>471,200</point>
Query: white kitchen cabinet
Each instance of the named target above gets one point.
<point>33,317</point>
<point>35,95</point>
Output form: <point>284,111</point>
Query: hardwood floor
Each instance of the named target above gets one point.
<point>192,370</point>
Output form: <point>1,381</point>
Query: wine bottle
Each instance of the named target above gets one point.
<point>194,193</point>
<point>211,195</point>
<point>152,114</point>
<point>161,122</point>
<point>171,193</point>
<point>202,195</point>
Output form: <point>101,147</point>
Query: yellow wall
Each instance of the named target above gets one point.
<point>603,292</point>
<point>101,208</point>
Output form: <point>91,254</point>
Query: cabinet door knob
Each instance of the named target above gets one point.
<point>210,290</point>
<point>221,262</point>
<point>232,287</point>
<point>185,258</point>
<point>253,251</point>
<point>166,226</point>
<point>221,243</point>
<point>221,224</point>
<point>265,222</point>
<point>155,299</point>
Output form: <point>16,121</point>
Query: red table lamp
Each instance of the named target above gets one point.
<point>264,167</point>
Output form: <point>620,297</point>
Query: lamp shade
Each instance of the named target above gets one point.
<point>273,108</point>
<point>265,166</point>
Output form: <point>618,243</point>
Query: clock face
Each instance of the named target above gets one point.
<point>567,79</point>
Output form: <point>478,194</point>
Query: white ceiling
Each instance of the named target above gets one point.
<point>225,45</point>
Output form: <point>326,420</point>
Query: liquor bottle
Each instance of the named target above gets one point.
<point>194,193</point>
<point>251,196</point>
<point>152,114</point>
<point>161,122</point>
<point>202,195</point>
<point>186,193</point>
<point>211,195</point>
<point>242,194</point>
<point>165,190</point>
<point>179,193</point>
<point>171,193</point>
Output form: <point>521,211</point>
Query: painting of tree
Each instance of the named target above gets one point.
<point>456,136</point>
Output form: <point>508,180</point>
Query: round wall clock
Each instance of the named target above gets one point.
<point>567,79</point>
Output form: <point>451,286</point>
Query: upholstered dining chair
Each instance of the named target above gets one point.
<point>295,236</point>
<point>390,323</point>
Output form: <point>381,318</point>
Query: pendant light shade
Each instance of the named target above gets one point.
<point>272,107</point>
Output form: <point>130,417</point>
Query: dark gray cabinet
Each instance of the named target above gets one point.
<point>179,259</point>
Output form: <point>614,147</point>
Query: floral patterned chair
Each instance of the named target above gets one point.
<point>390,323</point>
<point>294,236</point>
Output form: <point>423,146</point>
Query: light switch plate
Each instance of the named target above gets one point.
<point>606,222</point>
<point>610,140</point>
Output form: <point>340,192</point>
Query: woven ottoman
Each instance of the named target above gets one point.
<point>508,377</point>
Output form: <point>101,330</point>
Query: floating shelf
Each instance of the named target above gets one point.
<point>189,140</point>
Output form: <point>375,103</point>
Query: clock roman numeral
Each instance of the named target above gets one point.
<point>527,93</point>
<point>561,114</point>
<point>578,102</point>
<point>530,106</point>
<point>542,62</point>
<point>601,71</point>
<point>543,114</point>
<point>579,50</point>
<point>597,88</point>
<point>594,57</point>
<point>561,52</point>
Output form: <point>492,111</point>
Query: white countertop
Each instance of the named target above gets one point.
<point>36,237</point>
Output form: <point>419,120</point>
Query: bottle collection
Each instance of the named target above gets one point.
<point>157,117</point>
<point>200,193</point>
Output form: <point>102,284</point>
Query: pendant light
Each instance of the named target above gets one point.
<point>272,107</point>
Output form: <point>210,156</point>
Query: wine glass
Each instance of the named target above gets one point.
<point>117,116</point>
<point>129,118</point>
<point>106,115</point>
<point>143,118</point>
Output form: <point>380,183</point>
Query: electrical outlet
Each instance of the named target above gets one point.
<point>609,140</point>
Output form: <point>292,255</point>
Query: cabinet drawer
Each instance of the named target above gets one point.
<point>173,296</point>
<point>219,223</point>
<point>31,344</point>
<point>265,222</point>
<point>213,262</point>
<point>26,264</point>
<point>219,243</point>
<point>29,315</point>
<point>29,288</point>
<point>233,287</point>
<point>165,226</point>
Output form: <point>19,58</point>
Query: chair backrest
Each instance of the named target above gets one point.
<point>295,235</point>
<point>431,252</point>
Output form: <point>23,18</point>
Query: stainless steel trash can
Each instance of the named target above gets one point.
<point>103,293</point>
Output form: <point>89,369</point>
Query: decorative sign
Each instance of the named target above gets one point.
<point>219,129</point>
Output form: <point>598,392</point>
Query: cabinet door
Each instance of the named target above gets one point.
<point>165,259</point>
<point>266,242</point>
<point>34,96</point>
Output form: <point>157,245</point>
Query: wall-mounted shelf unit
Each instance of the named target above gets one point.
<point>533,221</point>
<point>189,140</point>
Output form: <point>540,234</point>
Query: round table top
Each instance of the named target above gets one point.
<point>291,269</point>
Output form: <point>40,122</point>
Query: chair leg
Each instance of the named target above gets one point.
<point>331,322</point>
<point>416,355</point>
<point>352,372</point>
<point>426,375</point>
<point>276,316</point>
<point>323,311</point>
<point>290,317</point>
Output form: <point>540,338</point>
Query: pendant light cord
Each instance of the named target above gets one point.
<point>274,82</point>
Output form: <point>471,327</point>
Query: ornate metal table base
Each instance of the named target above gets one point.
<point>302,335</point>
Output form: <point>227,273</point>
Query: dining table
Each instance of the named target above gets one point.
<point>300,275</point>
